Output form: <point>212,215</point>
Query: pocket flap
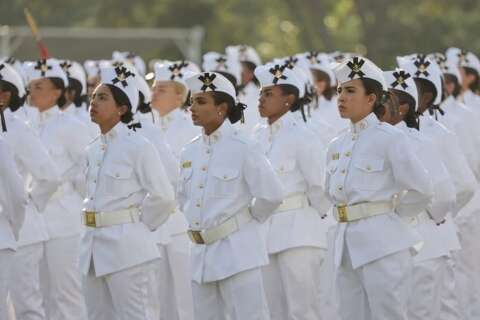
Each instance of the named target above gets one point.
<point>369,164</point>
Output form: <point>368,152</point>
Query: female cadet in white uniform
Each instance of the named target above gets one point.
<point>296,232</point>
<point>248,91</point>
<point>41,180</point>
<point>169,93</point>
<point>227,188</point>
<point>427,76</point>
<point>430,265</point>
<point>128,195</point>
<point>59,133</point>
<point>374,180</point>
<point>13,200</point>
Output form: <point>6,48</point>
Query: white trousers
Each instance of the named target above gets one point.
<point>25,292</point>
<point>465,271</point>
<point>292,284</point>
<point>424,301</point>
<point>375,291</point>
<point>6,258</point>
<point>122,295</point>
<point>450,308</point>
<point>174,279</point>
<point>239,297</point>
<point>62,281</point>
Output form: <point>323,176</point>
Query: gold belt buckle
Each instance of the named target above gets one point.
<point>342,213</point>
<point>90,219</point>
<point>196,236</point>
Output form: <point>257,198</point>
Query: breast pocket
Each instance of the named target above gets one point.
<point>225,182</point>
<point>370,173</point>
<point>119,180</point>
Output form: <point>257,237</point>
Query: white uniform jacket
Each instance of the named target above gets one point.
<point>13,199</point>
<point>39,174</point>
<point>124,171</point>
<point>443,200</point>
<point>220,175</point>
<point>63,136</point>
<point>156,136</point>
<point>462,121</point>
<point>454,159</point>
<point>373,161</point>
<point>299,160</point>
<point>178,128</point>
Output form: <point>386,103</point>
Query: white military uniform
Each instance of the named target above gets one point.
<point>13,201</point>
<point>128,196</point>
<point>59,133</point>
<point>39,174</point>
<point>220,175</point>
<point>227,188</point>
<point>177,129</point>
<point>297,232</point>
<point>124,173</point>
<point>372,258</point>
<point>432,261</point>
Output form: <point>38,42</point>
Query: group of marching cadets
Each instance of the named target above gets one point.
<point>314,186</point>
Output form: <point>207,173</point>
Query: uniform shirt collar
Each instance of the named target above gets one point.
<point>49,114</point>
<point>223,131</point>
<point>402,126</point>
<point>363,124</point>
<point>70,109</point>
<point>118,130</point>
<point>285,121</point>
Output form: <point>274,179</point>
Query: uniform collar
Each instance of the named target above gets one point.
<point>223,131</point>
<point>70,109</point>
<point>363,124</point>
<point>285,121</point>
<point>402,126</point>
<point>49,114</point>
<point>118,130</point>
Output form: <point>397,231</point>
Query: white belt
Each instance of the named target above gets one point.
<point>294,202</point>
<point>231,225</point>
<point>362,210</point>
<point>105,219</point>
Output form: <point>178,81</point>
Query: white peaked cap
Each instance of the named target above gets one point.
<point>401,80</point>
<point>447,66</point>
<point>211,82</point>
<point>245,54</point>
<point>10,75</point>
<point>464,58</point>
<point>173,71</point>
<point>318,61</point>
<point>421,67</point>
<point>359,68</point>
<point>124,79</point>
<point>49,68</point>
<point>214,62</point>
<point>275,74</point>
<point>75,71</point>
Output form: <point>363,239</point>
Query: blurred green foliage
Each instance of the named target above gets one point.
<point>380,29</point>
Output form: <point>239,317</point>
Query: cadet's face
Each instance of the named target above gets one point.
<point>467,78</point>
<point>204,111</point>
<point>165,96</point>
<point>272,101</point>
<point>353,102</point>
<point>103,108</point>
<point>320,87</point>
<point>43,94</point>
